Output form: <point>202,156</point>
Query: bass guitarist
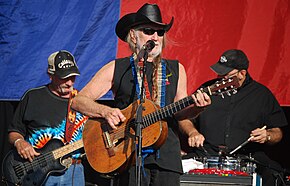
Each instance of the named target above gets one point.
<point>44,121</point>
<point>165,82</point>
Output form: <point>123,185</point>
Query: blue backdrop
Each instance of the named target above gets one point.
<point>30,30</point>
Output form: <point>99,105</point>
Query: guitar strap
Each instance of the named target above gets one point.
<point>70,118</point>
<point>147,92</point>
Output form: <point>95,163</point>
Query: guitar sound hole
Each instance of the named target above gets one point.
<point>131,125</point>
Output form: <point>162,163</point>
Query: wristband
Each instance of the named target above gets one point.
<point>17,141</point>
<point>268,137</point>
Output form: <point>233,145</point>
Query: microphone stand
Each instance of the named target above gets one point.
<point>139,124</point>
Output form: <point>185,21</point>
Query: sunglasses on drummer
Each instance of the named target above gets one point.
<point>151,31</point>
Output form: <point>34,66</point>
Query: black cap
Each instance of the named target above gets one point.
<point>230,60</point>
<point>62,64</point>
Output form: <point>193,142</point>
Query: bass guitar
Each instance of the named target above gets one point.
<point>18,171</point>
<point>109,151</point>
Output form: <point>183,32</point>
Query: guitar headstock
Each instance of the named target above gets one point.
<point>224,86</point>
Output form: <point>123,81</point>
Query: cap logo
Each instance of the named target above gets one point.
<point>66,64</point>
<point>223,59</point>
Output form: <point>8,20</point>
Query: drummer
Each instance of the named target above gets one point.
<point>231,120</point>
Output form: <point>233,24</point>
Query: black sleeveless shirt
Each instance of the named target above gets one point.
<point>124,90</point>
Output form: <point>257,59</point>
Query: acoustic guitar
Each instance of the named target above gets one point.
<point>110,151</point>
<point>18,171</point>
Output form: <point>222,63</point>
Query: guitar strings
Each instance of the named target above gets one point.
<point>227,85</point>
<point>37,162</point>
<point>168,110</point>
<point>157,116</point>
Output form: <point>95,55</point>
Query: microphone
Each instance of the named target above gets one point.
<point>147,47</point>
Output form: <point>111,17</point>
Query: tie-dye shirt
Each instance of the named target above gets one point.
<point>41,116</point>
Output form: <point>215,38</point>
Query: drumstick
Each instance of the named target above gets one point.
<point>245,142</point>
<point>206,152</point>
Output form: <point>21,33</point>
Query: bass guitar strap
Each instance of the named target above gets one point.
<point>70,119</point>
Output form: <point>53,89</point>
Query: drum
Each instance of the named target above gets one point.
<point>211,162</point>
<point>249,167</point>
<point>229,163</point>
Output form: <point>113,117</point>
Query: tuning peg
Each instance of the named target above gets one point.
<point>222,95</point>
<point>235,91</point>
<point>228,93</point>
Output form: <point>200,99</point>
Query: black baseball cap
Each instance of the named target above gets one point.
<point>62,64</point>
<point>230,60</point>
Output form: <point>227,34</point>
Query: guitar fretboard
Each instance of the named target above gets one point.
<point>67,149</point>
<point>167,111</point>
<point>218,88</point>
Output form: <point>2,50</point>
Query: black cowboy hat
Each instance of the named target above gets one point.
<point>147,14</point>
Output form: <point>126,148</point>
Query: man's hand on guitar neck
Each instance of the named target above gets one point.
<point>24,149</point>
<point>201,99</point>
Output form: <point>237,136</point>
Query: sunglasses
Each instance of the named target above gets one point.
<point>150,31</point>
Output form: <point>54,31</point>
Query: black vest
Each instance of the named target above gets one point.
<point>124,90</point>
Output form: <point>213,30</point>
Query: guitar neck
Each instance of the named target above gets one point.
<point>58,153</point>
<point>171,109</point>
<point>167,111</point>
<point>228,86</point>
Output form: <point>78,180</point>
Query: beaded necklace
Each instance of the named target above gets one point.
<point>160,78</point>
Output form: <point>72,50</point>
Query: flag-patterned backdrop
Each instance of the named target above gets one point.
<point>30,30</point>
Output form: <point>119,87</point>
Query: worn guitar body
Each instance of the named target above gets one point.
<point>110,150</point>
<point>18,171</point>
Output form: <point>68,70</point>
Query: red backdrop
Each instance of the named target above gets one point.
<point>203,29</point>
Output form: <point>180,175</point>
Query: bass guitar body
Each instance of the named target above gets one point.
<point>18,171</point>
<point>109,151</point>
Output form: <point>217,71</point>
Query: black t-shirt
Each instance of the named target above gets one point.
<point>41,116</point>
<point>228,121</point>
